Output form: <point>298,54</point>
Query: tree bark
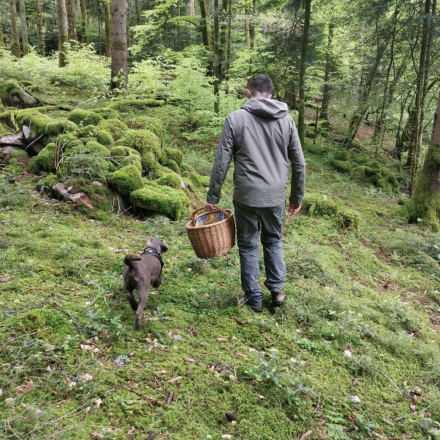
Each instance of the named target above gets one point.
<point>71,19</point>
<point>216,61</point>
<point>228,43</point>
<point>63,32</point>
<point>223,38</point>
<point>413,156</point>
<point>24,31</point>
<point>82,4</point>
<point>302,72</point>
<point>1,31</point>
<point>246,22</point>
<point>251,37</point>
<point>425,202</point>
<point>108,35</point>
<point>40,32</point>
<point>204,25</point>
<point>137,4</point>
<point>119,74</point>
<point>15,38</point>
<point>328,67</point>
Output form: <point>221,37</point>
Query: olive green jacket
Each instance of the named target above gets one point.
<point>262,138</point>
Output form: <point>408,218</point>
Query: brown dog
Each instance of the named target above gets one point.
<point>142,272</point>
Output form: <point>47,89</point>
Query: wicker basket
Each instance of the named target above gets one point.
<point>212,234</point>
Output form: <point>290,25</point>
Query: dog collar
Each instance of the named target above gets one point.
<point>153,252</point>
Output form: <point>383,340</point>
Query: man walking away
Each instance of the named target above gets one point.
<point>262,138</point>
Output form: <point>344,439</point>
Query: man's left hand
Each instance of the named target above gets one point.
<point>209,207</point>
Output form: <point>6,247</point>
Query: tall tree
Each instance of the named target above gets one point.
<point>63,33</point>
<point>82,4</point>
<point>137,4</point>
<point>328,67</point>
<point>302,72</point>
<point>1,30</point>
<point>107,22</point>
<point>119,74</point>
<point>71,19</point>
<point>24,30</point>
<point>204,24</point>
<point>228,40</point>
<point>15,37</point>
<point>40,33</point>
<point>425,201</point>
<point>216,60</point>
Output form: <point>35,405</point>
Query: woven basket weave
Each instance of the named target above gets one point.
<point>212,234</point>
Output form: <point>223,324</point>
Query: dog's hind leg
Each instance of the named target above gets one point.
<point>143,298</point>
<point>132,299</point>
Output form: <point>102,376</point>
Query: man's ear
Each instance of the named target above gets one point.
<point>163,246</point>
<point>249,94</point>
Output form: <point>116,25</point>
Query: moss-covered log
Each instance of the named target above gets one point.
<point>13,95</point>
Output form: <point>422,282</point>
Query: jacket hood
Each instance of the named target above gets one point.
<point>266,108</point>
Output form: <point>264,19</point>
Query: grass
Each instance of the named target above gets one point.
<point>353,354</point>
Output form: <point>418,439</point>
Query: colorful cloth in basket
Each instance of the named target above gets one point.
<point>209,218</point>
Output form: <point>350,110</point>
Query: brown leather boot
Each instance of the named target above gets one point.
<point>278,298</point>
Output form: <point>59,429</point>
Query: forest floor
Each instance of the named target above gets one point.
<point>353,354</point>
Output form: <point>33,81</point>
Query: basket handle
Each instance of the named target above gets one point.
<point>193,215</point>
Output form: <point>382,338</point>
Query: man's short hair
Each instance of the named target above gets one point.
<point>260,84</point>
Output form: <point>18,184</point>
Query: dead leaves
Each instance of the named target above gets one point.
<point>306,435</point>
<point>175,379</point>
<point>221,340</point>
<point>25,388</point>
<point>5,277</point>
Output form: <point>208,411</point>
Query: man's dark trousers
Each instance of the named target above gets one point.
<point>248,221</point>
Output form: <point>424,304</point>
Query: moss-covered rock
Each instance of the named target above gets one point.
<point>147,123</point>
<point>68,141</point>
<point>342,166</point>
<point>191,173</point>
<point>121,151</point>
<point>360,159</point>
<point>170,179</point>
<point>95,148</point>
<point>174,154</point>
<point>107,112</point>
<point>162,199</point>
<point>84,117</point>
<point>348,219</point>
<point>114,126</point>
<point>149,162</point>
<point>172,165</point>
<point>47,182</point>
<point>320,205</point>
<point>141,140</point>
<point>35,120</point>
<point>46,158</point>
<point>60,126</point>
<point>342,155</point>
<point>379,176</point>
<point>17,154</point>
<point>127,105</point>
<point>12,94</point>
<point>126,180</point>
<point>104,138</point>
<point>131,160</point>
<point>88,131</point>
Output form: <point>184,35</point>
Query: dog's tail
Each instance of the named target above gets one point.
<point>129,260</point>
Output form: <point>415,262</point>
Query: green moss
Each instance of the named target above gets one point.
<point>104,138</point>
<point>126,180</point>
<point>142,141</point>
<point>121,151</point>
<point>60,126</point>
<point>87,131</point>
<point>149,162</point>
<point>131,160</point>
<point>114,126</point>
<point>361,173</point>
<point>348,219</point>
<point>172,165</point>
<point>12,94</point>
<point>97,149</point>
<point>46,158</point>
<point>360,159</point>
<point>68,141</point>
<point>107,113</point>
<point>342,155</point>
<point>127,105</point>
<point>324,125</point>
<point>341,165</point>
<point>380,176</point>
<point>158,198</point>
<point>147,123</point>
<point>47,182</point>
<point>170,179</point>
<point>174,154</point>
<point>35,120</point>
<point>319,205</point>
<point>17,154</point>
<point>84,117</point>
<point>191,173</point>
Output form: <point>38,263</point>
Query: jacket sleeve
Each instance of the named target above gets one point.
<point>223,157</point>
<point>296,156</point>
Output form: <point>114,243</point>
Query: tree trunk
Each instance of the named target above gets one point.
<point>246,22</point>
<point>1,31</point>
<point>137,5</point>
<point>71,19</point>
<point>108,35</point>
<point>216,61</point>
<point>328,67</point>
<point>119,75</point>
<point>204,25</point>
<point>404,140</point>
<point>82,4</point>
<point>425,202</point>
<point>223,37</point>
<point>302,72</point>
<point>99,28</point>
<point>15,38</point>
<point>251,37</point>
<point>63,32</point>
<point>40,32</point>
<point>228,44</point>
<point>413,157</point>
<point>24,31</point>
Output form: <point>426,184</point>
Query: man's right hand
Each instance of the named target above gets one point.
<point>209,207</point>
<point>294,208</point>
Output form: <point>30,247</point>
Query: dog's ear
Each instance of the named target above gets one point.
<point>163,246</point>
